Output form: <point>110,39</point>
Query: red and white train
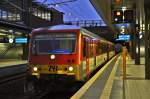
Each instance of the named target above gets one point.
<point>66,52</point>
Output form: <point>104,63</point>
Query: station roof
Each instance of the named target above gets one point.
<point>74,10</point>
<point>17,5</point>
<point>11,5</point>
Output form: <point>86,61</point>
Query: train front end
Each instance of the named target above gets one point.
<point>54,55</point>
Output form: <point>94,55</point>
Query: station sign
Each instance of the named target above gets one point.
<point>18,40</point>
<point>21,40</point>
<point>123,38</point>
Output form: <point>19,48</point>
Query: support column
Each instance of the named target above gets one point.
<point>147,43</point>
<point>26,17</point>
<point>137,45</point>
<point>133,42</point>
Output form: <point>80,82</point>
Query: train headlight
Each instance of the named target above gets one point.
<point>35,69</point>
<point>70,68</point>
<point>52,56</point>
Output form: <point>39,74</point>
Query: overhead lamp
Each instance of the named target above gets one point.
<point>11,40</point>
<point>124,8</point>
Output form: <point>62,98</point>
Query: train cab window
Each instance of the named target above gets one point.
<point>56,43</point>
<point>84,47</point>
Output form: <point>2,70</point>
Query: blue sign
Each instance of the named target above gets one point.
<point>20,40</point>
<point>125,25</point>
<point>123,38</point>
<point>58,51</point>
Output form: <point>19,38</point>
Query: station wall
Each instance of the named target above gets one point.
<point>10,51</point>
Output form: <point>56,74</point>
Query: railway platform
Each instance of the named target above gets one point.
<point>11,62</point>
<point>108,83</point>
<point>10,67</point>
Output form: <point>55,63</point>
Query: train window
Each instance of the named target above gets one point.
<point>104,48</point>
<point>84,47</point>
<point>56,44</point>
<point>91,48</point>
<point>99,49</point>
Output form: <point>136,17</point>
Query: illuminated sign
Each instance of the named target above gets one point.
<point>123,38</point>
<point>20,40</point>
<point>118,13</point>
<point>117,16</point>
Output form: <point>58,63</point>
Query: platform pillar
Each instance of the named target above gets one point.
<point>137,45</point>
<point>26,17</point>
<point>133,42</point>
<point>124,54</point>
<point>147,42</point>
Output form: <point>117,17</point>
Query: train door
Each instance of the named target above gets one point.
<point>107,45</point>
<point>86,55</point>
<point>94,49</point>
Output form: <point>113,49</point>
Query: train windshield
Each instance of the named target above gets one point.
<point>56,43</point>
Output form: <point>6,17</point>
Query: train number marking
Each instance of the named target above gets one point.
<point>53,68</point>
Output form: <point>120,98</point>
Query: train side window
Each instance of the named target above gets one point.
<point>84,47</point>
<point>99,48</point>
<point>91,48</point>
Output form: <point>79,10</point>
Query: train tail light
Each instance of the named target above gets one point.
<point>70,68</point>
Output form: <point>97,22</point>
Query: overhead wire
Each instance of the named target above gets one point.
<point>74,13</point>
<point>74,10</point>
<point>70,10</point>
<point>74,4</point>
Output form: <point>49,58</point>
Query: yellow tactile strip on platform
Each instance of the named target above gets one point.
<point>84,88</point>
<point>107,89</point>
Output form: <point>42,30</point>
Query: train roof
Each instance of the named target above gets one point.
<point>70,27</point>
<point>67,27</point>
<point>59,27</point>
<point>63,27</point>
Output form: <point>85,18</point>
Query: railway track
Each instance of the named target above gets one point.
<point>10,78</point>
<point>13,80</point>
<point>20,78</point>
<point>12,86</point>
<point>33,95</point>
<point>49,94</point>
